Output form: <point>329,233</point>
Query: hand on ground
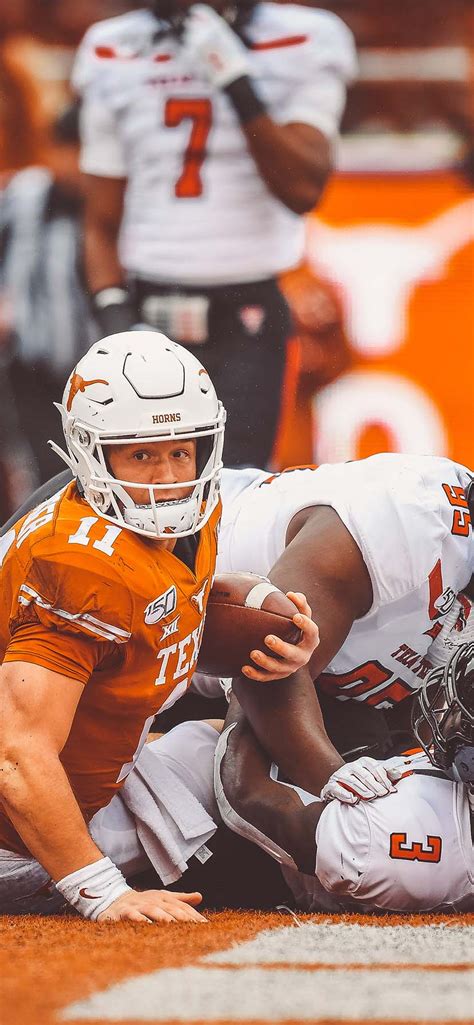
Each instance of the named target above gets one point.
<point>153,906</point>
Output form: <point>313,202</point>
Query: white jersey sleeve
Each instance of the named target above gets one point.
<point>325,65</point>
<point>409,851</point>
<point>97,77</point>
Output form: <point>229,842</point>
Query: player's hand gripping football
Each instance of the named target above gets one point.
<point>361,780</point>
<point>210,43</point>
<point>285,658</point>
<point>153,906</point>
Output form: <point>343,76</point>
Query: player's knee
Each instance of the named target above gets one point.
<point>217,724</point>
<point>247,808</point>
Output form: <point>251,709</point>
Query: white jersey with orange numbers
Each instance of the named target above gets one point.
<point>147,111</point>
<point>409,517</point>
<point>108,608</point>
<point>409,851</point>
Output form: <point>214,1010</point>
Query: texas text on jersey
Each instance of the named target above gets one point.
<point>96,603</point>
<point>408,516</point>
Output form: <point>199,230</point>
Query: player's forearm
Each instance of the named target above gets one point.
<point>286,718</point>
<point>43,809</point>
<point>101,262</point>
<point>274,810</point>
<point>292,163</point>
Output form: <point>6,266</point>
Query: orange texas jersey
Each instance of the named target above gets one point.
<point>112,609</point>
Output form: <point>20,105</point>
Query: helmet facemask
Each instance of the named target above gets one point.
<point>443,715</point>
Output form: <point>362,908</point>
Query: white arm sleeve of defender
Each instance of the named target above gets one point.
<point>101,150</point>
<point>95,82</point>
<point>327,64</point>
<point>319,104</point>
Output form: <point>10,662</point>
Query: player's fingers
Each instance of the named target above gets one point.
<point>189,898</point>
<point>378,772</point>
<point>127,915</point>
<point>300,600</point>
<point>296,654</point>
<point>395,773</point>
<point>278,647</point>
<point>184,913</point>
<point>157,914</point>
<point>343,792</point>
<point>384,779</point>
<point>273,668</point>
<point>261,676</point>
<point>309,630</point>
<point>368,786</point>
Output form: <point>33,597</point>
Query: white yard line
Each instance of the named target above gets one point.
<point>279,994</point>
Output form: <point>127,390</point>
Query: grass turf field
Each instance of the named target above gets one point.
<point>240,967</point>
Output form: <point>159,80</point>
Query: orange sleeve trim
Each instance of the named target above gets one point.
<point>72,656</point>
<point>277,44</point>
<point>45,663</point>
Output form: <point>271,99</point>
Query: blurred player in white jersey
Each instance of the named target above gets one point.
<point>207,132</point>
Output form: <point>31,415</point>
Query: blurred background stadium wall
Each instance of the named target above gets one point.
<point>383,355</point>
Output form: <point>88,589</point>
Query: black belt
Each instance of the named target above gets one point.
<point>237,293</point>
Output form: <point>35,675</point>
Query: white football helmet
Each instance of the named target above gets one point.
<point>140,385</point>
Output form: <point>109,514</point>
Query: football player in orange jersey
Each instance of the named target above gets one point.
<point>103,598</point>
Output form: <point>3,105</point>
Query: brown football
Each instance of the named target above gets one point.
<point>242,610</point>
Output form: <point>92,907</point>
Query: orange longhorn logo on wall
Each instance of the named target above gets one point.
<point>399,251</point>
<point>78,384</point>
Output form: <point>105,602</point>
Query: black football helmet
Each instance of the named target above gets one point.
<point>443,715</point>
<point>236,12</point>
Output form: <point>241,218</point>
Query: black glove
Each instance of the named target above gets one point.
<point>114,310</point>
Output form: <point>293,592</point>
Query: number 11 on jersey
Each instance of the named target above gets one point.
<point>103,544</point>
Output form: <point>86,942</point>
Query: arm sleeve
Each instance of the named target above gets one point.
<point>69,615</point>
<point>326,64</point>
<point>73,656</point>
<point>101,149</point>
<point>102,152</point>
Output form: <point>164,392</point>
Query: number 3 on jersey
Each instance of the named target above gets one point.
<point>401,850</point>
<point>199,112</point>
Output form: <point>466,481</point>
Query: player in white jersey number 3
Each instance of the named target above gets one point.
<point>409,849</point>
<point>207,131</point>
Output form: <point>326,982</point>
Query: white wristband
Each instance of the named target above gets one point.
<point>93,888</point>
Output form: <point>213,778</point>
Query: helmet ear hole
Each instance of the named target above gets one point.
<point>463,763</point>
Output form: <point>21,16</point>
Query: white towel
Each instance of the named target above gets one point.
<point>171,823</point>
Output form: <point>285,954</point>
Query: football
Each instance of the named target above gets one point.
<point>242,610</point>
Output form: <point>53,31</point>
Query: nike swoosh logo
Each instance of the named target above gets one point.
<point>89,896</point>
